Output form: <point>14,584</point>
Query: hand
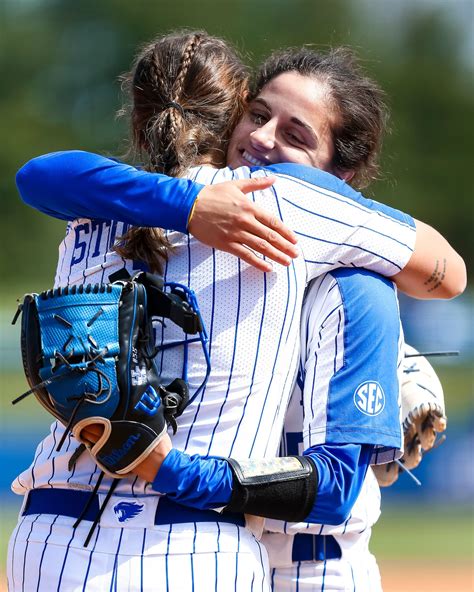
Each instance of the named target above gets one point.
<point>92,433</point>
<point>224,218</point>
<point>148,468</point>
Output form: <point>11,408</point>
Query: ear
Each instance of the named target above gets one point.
<point>347,176</point>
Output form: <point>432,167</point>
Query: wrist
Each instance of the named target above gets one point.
<point>192,211</point>
<point>149,468</point>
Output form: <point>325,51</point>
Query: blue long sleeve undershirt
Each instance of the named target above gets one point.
<point>206,483</point>
<point>67,184</point>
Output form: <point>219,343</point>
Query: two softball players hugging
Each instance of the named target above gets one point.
<point>309,346</point>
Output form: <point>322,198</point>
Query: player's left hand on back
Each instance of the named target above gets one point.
<point>226,219</point>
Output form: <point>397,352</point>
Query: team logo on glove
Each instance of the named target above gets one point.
<point>369,398</point>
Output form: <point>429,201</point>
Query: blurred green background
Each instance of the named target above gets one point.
<point>60,60</point>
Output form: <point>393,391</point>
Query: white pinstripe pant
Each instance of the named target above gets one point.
<point>46,554</point>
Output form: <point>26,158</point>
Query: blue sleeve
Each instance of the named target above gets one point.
<point>76,184</point>
<point>362,403</point>
<point>341,472</point>
<point>194,481</point>
<point>206,483</point>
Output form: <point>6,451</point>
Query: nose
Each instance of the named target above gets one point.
<point>263,138</point>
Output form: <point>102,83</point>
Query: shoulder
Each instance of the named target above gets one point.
<point>312,176</point>
<point>366,298</point>
<point>333,187</point>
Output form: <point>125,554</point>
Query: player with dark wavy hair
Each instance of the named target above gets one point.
<point>253,330</point>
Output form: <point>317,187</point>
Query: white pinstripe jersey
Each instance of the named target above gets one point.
<point>252,318</point>
<point>341,307</point>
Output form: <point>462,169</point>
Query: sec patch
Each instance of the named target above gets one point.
<point>369,398</point>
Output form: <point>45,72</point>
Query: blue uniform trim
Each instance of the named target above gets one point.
<point>337,185</point>
<point>371,335</point>
<point>66,185</point>
<point>341,472</point>
<point>70,502</point>
<point>309,547</point>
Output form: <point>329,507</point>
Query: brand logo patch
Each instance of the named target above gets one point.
<point>149,402</point>
<point>118,453</point>
<point>127,510</point>
<point>369,398</point>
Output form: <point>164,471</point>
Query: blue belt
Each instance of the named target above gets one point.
<point>69,502</point>
<point>309,547</point>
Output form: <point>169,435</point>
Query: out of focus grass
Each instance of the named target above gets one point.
<point>434,533</point>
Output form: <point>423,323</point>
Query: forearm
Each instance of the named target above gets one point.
<point>327,493</point>
<point>76,184</point>
<point>434,270</point>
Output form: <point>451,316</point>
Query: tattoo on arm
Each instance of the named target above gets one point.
<point>436,278</point>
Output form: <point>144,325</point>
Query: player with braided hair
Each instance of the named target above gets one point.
<point>249,406</point>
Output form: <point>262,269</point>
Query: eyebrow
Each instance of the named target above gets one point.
<point>294,120</point>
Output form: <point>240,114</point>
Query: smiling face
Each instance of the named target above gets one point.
<point>290,120</point>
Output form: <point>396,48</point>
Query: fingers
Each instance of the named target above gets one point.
<point>276,225</point>
<point>440,424</point>
<point>254,184</point>
<point>413,453</point>
<point>224,218</point>
<point>386,474</point>
<point>428,426</point>
<point>249,257</point>
<point>92,433</point>
<point>272,248</point>
<point>426,432</point>
<point>264,224</point>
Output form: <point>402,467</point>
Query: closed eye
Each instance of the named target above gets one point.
<point>258,118</point>
<point>295,139</point>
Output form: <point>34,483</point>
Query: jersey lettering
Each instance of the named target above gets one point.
<point>80,244</point>
<point>369,398</point>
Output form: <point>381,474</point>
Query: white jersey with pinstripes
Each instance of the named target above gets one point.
<point>252,318</point>
<point>333,314</point>
<point>253,325</point>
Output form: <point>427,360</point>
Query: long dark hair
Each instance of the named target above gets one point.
<point>187,93</point>
<point>357,100</point>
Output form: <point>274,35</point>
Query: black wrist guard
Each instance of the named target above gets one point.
<point>281,488</point>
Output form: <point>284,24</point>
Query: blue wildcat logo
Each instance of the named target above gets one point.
<point>127,510</point>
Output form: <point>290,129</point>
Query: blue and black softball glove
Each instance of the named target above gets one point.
<point>88,355</point>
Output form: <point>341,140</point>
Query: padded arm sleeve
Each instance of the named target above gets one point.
<point>76,184</point>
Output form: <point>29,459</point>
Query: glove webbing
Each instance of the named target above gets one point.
<point>87,366</point>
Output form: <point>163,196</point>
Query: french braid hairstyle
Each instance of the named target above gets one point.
<point>188,92</point>
<point>357,100</point>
